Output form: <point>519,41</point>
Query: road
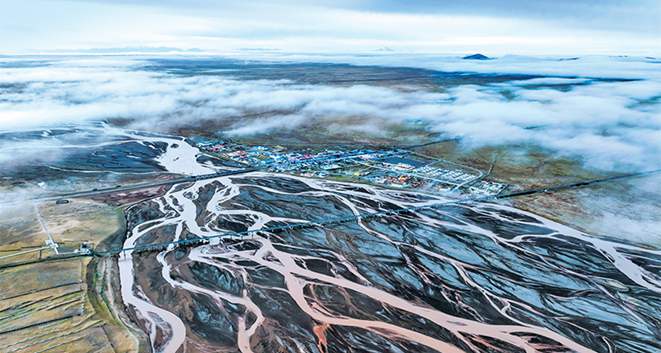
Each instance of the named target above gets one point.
<point>157,247</point>
<point>334,221</point>
<point>139,186</point>
<point>331,221</point>
<point>132,187</point>
<point>49,241</point>
<point>555,188</point>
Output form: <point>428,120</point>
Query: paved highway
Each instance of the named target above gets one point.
<point>555,188</point>
<point>121,188</point>
<point>331,221</point>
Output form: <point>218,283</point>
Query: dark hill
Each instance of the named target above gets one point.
<point>476,57</point>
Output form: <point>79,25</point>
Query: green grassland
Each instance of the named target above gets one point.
<point>61,303</point>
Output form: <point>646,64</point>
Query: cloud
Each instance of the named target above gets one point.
<point>499,27</point>
<point>572,66</point>
<point>610,125</point>
<point>602,123</point>
<point>16,154</point>
<point>633,215</point>
<point>24,148</point>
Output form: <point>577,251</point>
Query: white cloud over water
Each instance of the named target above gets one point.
<point>611,125</point>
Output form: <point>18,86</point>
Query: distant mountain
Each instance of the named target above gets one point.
<point>476,57</point>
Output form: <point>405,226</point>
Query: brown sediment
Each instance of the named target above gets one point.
<point>181,207</point>
<point>294,278</point>
<point>131,197</point>
<point>122,332</point>
<point>320,332</point>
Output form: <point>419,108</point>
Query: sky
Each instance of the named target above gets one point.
<point>493,27</point>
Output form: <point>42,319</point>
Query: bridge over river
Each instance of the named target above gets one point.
<point>157,247</point>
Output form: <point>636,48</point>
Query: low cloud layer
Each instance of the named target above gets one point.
<point>338,26</point>
<point>610,125</point>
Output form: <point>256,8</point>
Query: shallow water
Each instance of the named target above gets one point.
<point>461,277</point>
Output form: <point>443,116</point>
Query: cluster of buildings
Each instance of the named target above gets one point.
<point>453,175</point>
<point>391,168</point>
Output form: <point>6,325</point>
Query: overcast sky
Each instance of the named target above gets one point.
<point>496,27</point>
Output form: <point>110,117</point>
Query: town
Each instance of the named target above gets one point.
<point>394,168</point>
